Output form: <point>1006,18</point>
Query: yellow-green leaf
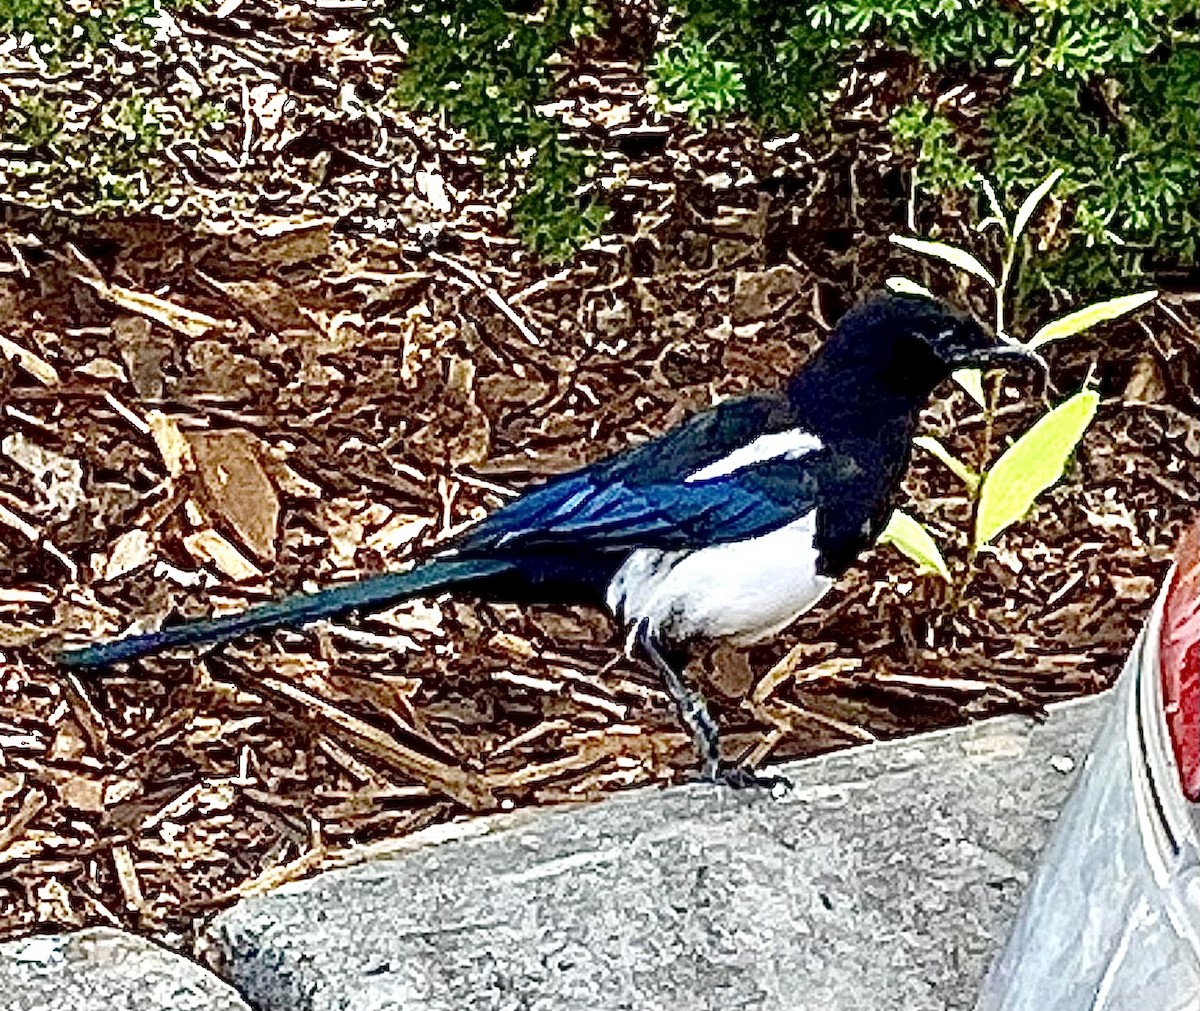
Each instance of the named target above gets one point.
<point>971,380</point>
<point>910,538</point>
<point>907,286</point>
<point>952,462</point>
<point>1031,465</point>
<point>1031,203</point>
<point>953,255</point>
<point>1083,319</point>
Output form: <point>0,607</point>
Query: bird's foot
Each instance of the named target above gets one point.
<point>738,777</point>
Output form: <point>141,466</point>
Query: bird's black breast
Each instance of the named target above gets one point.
<point>857,488</point>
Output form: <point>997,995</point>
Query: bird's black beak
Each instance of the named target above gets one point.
<point>1000,356</point>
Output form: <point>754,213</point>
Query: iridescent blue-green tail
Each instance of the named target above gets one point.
<point>375,593</point>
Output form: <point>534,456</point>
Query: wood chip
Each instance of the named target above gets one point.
<point>496,298</point>
<point>210,547</point>
<point>13,597</point>
<point>82,793</point>
<point>181,319</point>
<point>174,448</point>
<point>15,522</point>
<point>465,787</point>
<point>127,877</point>
<point>132,550</point>
<point>235,489</point>
<point>531,735</point>
<point>91,721</point>
<point>275,877</point>
<point>35,365</point>
<point>791,665</point>
<point>11,833</point>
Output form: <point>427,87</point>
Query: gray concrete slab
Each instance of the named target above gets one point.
<point>886,880</point>
<point>106,970</point>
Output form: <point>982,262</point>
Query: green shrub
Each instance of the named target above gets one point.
<point>698,83</point>
<point>1133,169</point>
<point>90,135</point>
<point>930,138</point>
<point>1106,91</point>
<point>62,31</point>
<point>486,66</point>
<point>549,213</point>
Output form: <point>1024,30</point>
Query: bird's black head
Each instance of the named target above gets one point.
<point>887,355</point>
<point>923,338</point>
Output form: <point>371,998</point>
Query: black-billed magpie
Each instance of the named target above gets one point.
<point>729,526</point>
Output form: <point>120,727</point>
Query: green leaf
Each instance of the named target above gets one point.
<point>1032,464</point>
<point>1031,203</point>
<point>911,539</point>
<point>971,380</point>
<point>952,462</point>
<point>907,286</point>
<point>959,258</point>
<point>1083,319</point>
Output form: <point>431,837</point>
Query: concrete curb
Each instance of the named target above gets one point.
<point>886,879</point>
<point>106,970</point>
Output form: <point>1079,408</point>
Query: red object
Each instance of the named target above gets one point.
<point>1179,661</point>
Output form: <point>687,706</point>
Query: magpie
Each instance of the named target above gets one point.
<point>729,526</point>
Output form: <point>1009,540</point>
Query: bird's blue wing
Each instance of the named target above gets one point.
<point>584,512</point>
<point>648,496</point>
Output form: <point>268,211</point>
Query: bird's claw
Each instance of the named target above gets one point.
<point>738,777</point>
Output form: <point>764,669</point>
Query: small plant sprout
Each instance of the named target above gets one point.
<point>1004,490</point>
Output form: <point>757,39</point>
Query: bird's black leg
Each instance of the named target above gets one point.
<point>689,704</point>
<point>695,716</point>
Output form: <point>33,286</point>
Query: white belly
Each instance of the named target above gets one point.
<point>743,591</point>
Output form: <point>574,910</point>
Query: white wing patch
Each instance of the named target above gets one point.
<point>740,590</point>
<point>789,445</point>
